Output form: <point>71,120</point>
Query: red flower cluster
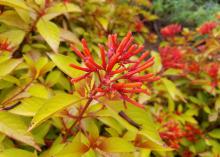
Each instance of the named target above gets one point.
<point>139,25</point>
<point>171,57</point>
<point>193,67</point>
<point>172,134</point>
<point>192,133</point>
<point>5,46</point>
<point>171,30</point>
<point>207,27</point>
<point>187,153</point>
<point>117,73</point>
<point>212,71</point>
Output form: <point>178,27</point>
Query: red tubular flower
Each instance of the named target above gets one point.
<point>139,26</point>
<point>194,67</point>
<point>187,153</point>
<point>117,72</point>
<point>172,134</point>
<point>213,70</point>
<point>5,46</point>
<point>207,27</point>
<point>171,57</point>
<point>171,30</point>
<point>192,133</point>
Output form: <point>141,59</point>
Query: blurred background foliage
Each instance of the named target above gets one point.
<point>35,91</point>
<point>187,12</point>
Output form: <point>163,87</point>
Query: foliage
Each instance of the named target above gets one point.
<point>105,95</point>
<point>196,11</point>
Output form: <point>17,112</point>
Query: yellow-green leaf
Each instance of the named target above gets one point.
<point>215,133</point>
<point>11,18</point>
<point>60,8</point>
<point>174,92</point>
<point>28,106</point>
<point>11,34</point>
<point>39,90</point>
<point>8,66</point>
<point>52,106</point>
<point>15,4</point>
<point>14,127</point>
<point>12,152</point>
<point>63,63</point>
<point>116,145</point>
<point>50,32</point>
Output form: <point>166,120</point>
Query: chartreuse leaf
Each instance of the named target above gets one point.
<point>53,77</point>
<point>28,106</point>
<point>39,90</point>
<point>50,32</point>
<point>16,152</point>
<point>92,128</point>
<point>63,63</point>
<point>75,148</point>
<point>157,62</point>
<point>15,4</point>
<point>60,8</point>
<point>24,14</point>
<point>140,117</point>
<point>69,36</point>
<point>116,145</point>
<point>172,89</point>
<point>14,127</point>
<point>144,119</point>
<point>11,18</point>
<point>104,22</point>
<point>215,133</point>
<point>56,147</point>
<point>90,153</point>
<point>10,36</point>
<point>21,8</point>
<point>8,66</point>
<point>40,132</point>
<point>52,106</point>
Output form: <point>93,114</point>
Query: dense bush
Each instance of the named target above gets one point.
<point>187,12</point>
<point>117,92</point>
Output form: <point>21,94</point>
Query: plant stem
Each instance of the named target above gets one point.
<point>81,113</point>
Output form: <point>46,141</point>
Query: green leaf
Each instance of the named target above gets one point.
<point>104,22</point>
<point>69,36</point>
<point>40,132</point>
<point>60,8</point>
<point>28,106</point>
<point>16,152</point>
<point>75,147</point>
<point>14,127</point>
<point>215,133</point>
<point>11,18</point>
<point>63,63</point>
<point>8,66</point>
<point>15,4</point>
<point>56,147</point>
<point>50,32</point>
<point>172,89</point>
<point>52,106</point>
<point>11,34</point>
<point>53,77</point>
<point>157,62</point>
<point>116,145</point>
<point>144,119</point>
<point>39,90</point>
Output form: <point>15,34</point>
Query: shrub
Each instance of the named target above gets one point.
<point>110,94</point>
